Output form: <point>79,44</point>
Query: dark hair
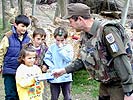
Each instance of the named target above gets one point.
<point>39,31</point>
<point>75,17</point>
<point>60,31</point>
<point>24,51</point>
<point>22,19</point>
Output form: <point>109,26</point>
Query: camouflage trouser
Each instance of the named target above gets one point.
<point>114,91</point>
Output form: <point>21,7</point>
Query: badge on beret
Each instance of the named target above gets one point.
<point>114,47</point>
<point>110,38</point>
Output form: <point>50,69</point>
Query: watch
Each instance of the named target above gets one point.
<point>128,93</point>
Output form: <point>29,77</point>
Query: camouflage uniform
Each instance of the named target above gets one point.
<point>116,78</point>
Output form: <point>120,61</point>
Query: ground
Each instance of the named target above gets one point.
<point>82,96</point>
<point>45,15</point>
<point>2,89</point>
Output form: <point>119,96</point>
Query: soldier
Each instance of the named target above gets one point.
<point>102,53</point>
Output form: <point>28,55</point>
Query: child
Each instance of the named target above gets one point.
<point>59,55</point>
<point>40,46</point>
<point>27,87</point>
<point>10,47</point>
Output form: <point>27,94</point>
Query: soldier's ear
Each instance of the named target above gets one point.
<point>80,18</point>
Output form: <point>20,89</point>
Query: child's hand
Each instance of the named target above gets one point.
<point>60,45</point>
<point>65,42</point>
<point>44,68</point>
<point>0,69</point>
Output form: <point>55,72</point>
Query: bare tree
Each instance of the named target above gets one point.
<point>21,6</point>
<point>61,8</point>
<point>33,7</point>
<point>12,3</point>
<point>5,25</point>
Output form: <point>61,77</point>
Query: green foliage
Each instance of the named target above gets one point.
<point>1,29</point>
<point>0,24</point>
<point>83,84</point>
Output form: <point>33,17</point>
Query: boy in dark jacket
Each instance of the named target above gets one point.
<point>10,47</point>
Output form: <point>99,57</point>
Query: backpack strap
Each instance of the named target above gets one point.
<point>98,34</point>
<point>8,34</point>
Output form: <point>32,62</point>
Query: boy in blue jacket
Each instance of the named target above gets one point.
<point>10,47</point>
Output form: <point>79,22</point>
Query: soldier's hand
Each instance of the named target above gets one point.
<point>58,72</point>
<point>128,97</point>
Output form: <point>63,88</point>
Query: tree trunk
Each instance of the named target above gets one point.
<point>57,11</point>
<point>12,3</point>
<point>61,8</point>
<point>5,21</point>
<point>33,7</point>
<point>21,6</point>
<point>125,12</point>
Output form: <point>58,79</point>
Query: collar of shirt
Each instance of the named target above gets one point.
<point>14,32</point>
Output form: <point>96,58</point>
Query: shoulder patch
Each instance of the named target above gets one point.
<point>110,38</point>
<point>114,47</point>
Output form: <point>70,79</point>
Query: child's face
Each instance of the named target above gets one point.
<point>60,40</point>
<point>30,59</point>
<point>38,40</point>
<point>21,28</point>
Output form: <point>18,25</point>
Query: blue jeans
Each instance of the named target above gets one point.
<point>55,89</point>
<point>10,87</point>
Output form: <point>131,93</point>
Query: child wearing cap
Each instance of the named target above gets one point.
<point>59,55</point>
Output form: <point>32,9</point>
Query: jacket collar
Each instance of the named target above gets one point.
<point>94,27</point>
<point>13,28</point>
